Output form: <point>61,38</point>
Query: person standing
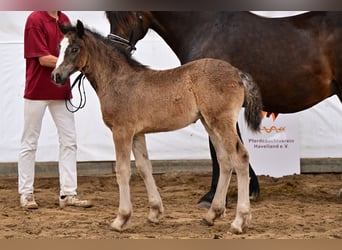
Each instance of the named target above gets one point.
<point>41,39</point>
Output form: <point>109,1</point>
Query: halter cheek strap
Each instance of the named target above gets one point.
<point>119,39</point>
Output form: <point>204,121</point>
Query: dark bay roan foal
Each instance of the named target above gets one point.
<point>136,100</point>
<point>296,61</point>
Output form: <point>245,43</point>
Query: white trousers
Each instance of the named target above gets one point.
<point>64,120</point>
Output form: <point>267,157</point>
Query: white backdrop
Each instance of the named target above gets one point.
<point>319,132</point>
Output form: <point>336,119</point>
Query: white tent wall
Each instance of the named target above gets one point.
<point>320,133</point>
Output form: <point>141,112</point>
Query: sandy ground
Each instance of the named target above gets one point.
<point>296,206</point>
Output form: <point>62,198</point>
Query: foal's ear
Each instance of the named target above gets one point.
<point>64,28</point>
<point>80,29</point>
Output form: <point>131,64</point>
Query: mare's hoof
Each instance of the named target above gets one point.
<point>204,204</point>
<point>205,201</point>
<point>254,196</point>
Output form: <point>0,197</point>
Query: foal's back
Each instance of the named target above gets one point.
<point>165,100</point>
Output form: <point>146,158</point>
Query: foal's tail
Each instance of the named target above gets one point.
<point>253,102</point>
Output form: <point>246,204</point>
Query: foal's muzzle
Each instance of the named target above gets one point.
<point>57,78</point>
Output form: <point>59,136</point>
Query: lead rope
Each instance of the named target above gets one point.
<point>80,80</point>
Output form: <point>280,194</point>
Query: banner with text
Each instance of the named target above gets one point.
<point>275,150</point>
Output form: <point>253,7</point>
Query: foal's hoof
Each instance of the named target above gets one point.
<point>115,229</point>
<point>240,224</point>
<point>116,226</point>
<point>155,214</point>
<point>204,222</point>
<point>235,230</point>
<point>152,221</point>
<point>340,194</point>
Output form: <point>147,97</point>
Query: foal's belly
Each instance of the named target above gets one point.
<point>166,123</point>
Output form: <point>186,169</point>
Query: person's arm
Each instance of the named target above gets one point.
<point>48,61</point>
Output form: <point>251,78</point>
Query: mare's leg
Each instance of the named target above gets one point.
<point>123,146</point>
<point>254,189</point>
<point>206,200</point>
<point>337,85</point>
<point>144,166</point>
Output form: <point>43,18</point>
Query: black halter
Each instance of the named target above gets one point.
<point>130,45</point>
<point>115,38</point>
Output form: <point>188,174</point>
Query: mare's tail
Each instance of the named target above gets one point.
<point>253,102</point>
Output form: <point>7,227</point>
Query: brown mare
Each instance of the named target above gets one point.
<point>136,100</point>
<point>296,61</point>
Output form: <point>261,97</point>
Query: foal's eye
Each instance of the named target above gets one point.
<point>74,50</point>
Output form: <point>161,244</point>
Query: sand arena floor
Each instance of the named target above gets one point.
<point>295,207</point>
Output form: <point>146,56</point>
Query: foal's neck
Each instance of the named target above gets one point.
<point>104,63</point>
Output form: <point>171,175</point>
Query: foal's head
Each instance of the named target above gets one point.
<point>131,25</point>
<point>82,49</point>
<point>73,54</point>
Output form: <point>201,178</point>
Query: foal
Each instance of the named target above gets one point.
<point>136,100</point>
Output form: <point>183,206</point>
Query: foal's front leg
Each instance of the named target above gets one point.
<point>144,166</point>
<point>123,146</point>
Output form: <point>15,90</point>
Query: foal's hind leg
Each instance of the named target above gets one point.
<point>144,166</point>
<point>231,154</point>
<point>243,214</point>
<point>254,189</point>
<point>218,204</point>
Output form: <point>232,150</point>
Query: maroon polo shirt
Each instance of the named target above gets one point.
<point>41,38</point>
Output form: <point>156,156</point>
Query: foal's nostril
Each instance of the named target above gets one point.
<point>56,77</point>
